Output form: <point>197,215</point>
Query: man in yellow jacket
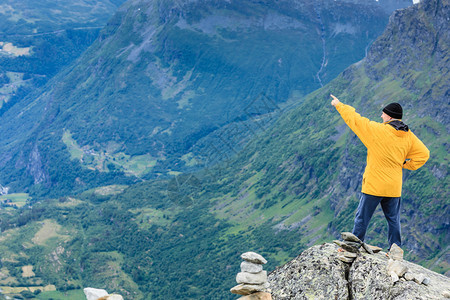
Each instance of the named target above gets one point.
<point>391,147</point>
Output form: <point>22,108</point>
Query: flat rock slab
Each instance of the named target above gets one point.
<point>250,267</point>
<point>375,249</point>
<point>254,258</point>
<point>346,246</point>
<point>252,278</point>
<point>353,244</point>
<point>257,296</point>
<point>348,236</point>
<point>345,258</point>
<point>349,254</point>
<point>247,289</point>
<point>367,248</point>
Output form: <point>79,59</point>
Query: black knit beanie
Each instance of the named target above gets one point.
<point>394,110</point>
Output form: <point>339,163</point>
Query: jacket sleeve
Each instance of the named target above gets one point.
<point>361,126</point>
<point>417,155</point>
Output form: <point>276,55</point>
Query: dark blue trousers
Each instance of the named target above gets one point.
<point>391,210</point>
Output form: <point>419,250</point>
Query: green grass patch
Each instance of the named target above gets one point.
<point>57,295</point>
<point>105,161</point>
<point>189,159</point>
<point>18,199</point>
<point>146,217</point>
<point>109,190</point>
<point>74,149</point>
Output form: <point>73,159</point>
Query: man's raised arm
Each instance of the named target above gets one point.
<point>358,124</point>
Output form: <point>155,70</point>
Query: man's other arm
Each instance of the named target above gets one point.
<point>417,155</point>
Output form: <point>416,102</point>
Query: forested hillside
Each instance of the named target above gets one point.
<point>38,40</point>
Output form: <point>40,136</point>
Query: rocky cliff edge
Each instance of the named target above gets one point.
<point>317,273</point>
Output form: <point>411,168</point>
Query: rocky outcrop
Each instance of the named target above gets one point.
<point>318,273</point>
<point>100,294</point>
<point>94,294</point>
<point>3,190</point>
<point>36,167</point>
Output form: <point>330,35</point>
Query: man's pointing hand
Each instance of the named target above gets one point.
<point>335,100</point>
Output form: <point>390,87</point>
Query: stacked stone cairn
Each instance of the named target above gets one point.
<point>252,280</point>
<point>351,246</point>
<point>399,271</point>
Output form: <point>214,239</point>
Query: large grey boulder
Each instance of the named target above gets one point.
<point>369,279</point>
<point>94,294</point>
<point>317,273</point>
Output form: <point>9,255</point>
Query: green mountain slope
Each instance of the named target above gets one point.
<point>164,75</point>
<point>38,40</point>
<point>293,185</point>
<point>19,17</point>
<point>309,165</point>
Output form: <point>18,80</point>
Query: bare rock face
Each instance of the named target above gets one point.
<point>368,276</point>
<point>318,273</point>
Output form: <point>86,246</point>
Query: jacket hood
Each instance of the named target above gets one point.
<point>399,125</point>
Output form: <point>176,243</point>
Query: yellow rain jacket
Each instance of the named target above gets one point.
<point>388,151</point>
